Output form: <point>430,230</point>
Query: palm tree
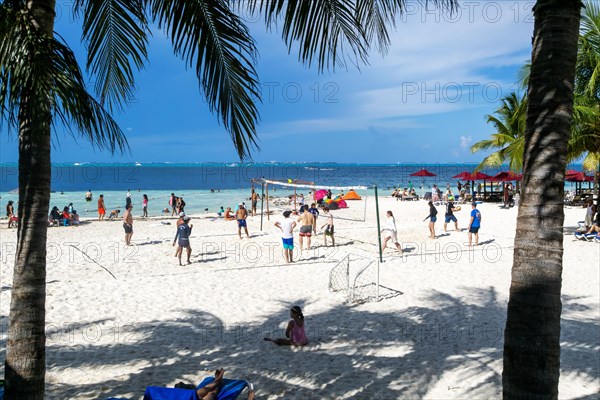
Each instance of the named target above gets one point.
<point>532,332</point>
<point>40,83</point>
<point>509,136</point>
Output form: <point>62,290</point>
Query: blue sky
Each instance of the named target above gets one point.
<point>425,101</point>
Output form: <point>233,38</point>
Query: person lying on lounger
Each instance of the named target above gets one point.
<point>212,390</point>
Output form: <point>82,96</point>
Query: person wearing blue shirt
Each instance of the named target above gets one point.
<point>183,234</point>
<point>474,224</point>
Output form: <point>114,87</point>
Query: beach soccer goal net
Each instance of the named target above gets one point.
<point>357,278</point>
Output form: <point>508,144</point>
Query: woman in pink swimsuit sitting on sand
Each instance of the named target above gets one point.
<point>295,330</point>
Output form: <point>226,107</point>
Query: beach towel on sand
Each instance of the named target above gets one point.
<point>230,391</point>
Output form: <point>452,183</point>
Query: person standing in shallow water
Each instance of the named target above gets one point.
<point>101,208</point>
<point>145,206</point>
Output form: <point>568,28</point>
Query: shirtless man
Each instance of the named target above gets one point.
<point>306,226</point>
<point>241,214</point>
<point>254,202</point>
<point>128,225</point>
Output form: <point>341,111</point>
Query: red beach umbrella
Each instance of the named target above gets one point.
<point>579,177</point>
<point>506,176</point>
<point>463,176</point>
<point>479,176</point>
<point>423,173</point>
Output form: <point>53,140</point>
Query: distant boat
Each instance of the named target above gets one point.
<point>137,164</point>
<point>76,163</point>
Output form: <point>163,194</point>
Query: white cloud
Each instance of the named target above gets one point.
<point>465,142</point>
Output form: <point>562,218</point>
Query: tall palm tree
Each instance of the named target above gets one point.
<point>40,83</point>
<point>532,332</point>
<point>509,136</point>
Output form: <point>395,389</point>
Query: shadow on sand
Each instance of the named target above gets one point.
<point>352,354</point>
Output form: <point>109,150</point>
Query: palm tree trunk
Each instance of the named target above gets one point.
<point>532,332</point>
<point>25,365</point>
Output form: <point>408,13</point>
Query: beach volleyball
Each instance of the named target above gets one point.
<point>457,208</point>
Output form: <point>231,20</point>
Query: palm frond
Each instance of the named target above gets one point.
<point>324,28</point>
<point>210,37</point>
<point>117,36</point>
<point>523,75</point>
<point>587,77</point>
<point>591,162</point>
<point>494,160</point>
<point>375,16</point>
<point>321,28</point>
<point>37,67</point>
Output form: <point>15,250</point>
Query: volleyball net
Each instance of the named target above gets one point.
<point>346,202</point>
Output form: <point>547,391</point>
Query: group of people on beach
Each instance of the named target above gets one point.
<point>474,222</point>
<point>307,217</point>
<point>591,223</point>
<point>68,216</point>
<point>389,232</point>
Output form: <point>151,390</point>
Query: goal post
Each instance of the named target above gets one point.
<point>357,277</point>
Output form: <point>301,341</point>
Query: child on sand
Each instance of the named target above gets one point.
<point>295,330</point>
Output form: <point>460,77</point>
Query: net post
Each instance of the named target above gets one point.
<point>262,202</point>
<point>377,283</point>
<point>378,224</point>
<point>268,218</point>
<point>348,273</point>
<point>365,210</point>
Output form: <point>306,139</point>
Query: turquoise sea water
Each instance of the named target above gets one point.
<point>231,182</point>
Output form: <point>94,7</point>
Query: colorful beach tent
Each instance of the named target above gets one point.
<point>351,195</point>
<point>319,194</point>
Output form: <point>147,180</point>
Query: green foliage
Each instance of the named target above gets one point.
<point>509,137</point>
<point>585,129</point>
<point>35,67</point>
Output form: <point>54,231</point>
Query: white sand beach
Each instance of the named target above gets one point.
<point>435,333</point>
